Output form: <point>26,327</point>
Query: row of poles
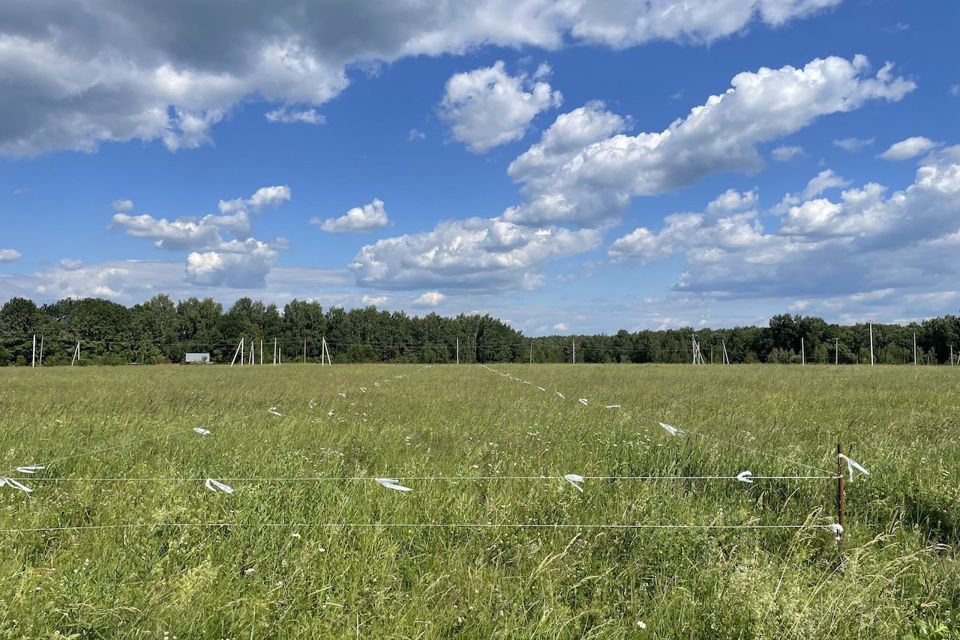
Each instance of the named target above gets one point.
<point>277,353</point>
<point>698,354</point>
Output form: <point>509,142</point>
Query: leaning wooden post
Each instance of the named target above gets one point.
<point>841,494</point>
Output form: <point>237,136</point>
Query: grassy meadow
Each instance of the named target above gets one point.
<point>120,538</point>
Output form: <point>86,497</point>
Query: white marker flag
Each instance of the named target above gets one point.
<point>273,411</point>
<point>670,429</point>
<point>575,479</point>
<point>215,486</point>
<point>390,483</point>
<point>31,469</point>
<point>613,406</point>
<point>562,397</point>
<point>852,465</point>
<point>201,431</point>
<point>16,485</point>
<point>583,401</point>
<point>744,476</point>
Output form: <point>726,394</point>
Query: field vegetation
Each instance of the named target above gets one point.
<point>121,539</point>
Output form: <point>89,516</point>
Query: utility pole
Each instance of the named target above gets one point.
<point>836,351</point>
<point>871,344</point>
<point>33,358</point>
<point>40,362</point>
<point>261,350</point>
<point>531,350</point>
<point>274,352</point>
<point>803,352</point>
<point>914,348</point>
<point>574,343</point>
<point>304,351</point>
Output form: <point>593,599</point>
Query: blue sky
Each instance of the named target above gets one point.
<point>540,162</point>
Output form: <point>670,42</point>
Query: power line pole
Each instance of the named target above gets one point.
<point>836,351</point>
<point>871,344</point>
<point>574,343</point>
<point>458,350</point>
<point>304,351</point>
<point>914,348</point>
<point>803,352</point>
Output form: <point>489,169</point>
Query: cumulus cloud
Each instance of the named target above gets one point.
<point>237,264</point>
<point>222,251</point>
<point>853,144</point>
<point>909,148</point>
<point>867,240</point>
<point>594,182</point>
<point>122,206</point>
<point>488,107</point>
<point>430,299</point>
<point>111,71</point>
<point>733,200</point>
<point>366,218</point>
<point>786,153</point>
<point>823,181</point>
<point>476,253</point>
<point>374,300</point>
<point>9,255</point>
<point>287,115</point>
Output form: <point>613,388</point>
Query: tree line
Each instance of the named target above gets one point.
<point>163,331</point>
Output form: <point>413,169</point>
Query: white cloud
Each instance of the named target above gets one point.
<point>366,218</point>
<point>430,299</point>
<point>374,300</point>
<point>733,200</point>
<point>476,253</point>
<point>9,255</point>
<point>865,241</point>
<point>133,281</point>
<point>214,260</point>
<point>238,264</point>
<point>786,154</point>
<point>122,206</point>
<point>560,326</point>
<point>69,264</point>
<point>595,182</point>
<point>111,71</point>
<point>823,181</point>
<point>416,134</point>
<point>287,115</point>
<point>909,148</point>
<point>853,144</point>
<point>488,107</point>
<point>955,89</point>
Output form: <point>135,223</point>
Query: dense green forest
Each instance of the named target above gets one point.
<point>162,331</point>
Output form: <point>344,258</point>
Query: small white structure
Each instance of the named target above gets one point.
<point>198,358</point>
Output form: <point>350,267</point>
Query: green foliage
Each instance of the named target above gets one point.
<point>159,331</point>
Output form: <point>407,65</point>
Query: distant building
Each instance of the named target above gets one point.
<point>198,358</point>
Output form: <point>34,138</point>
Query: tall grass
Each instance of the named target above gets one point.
<point>291,562</point>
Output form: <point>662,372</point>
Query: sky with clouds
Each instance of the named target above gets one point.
<point>565,166</point>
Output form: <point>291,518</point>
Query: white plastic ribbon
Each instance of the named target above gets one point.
<point>363,389</point>
<point>576,480</point>
<point>836,529</point>
<point>342,394</point>
<point>390,483</point>
<point>16,485</point>
<point>201,431</point>
<point>613,406</point>
<point>562,397</point>
<point>273,411</point>
<point>744,476</point>
<point>670,429</point>
<point>214,485</point>
<point>852,465</point>
<point>541,388</point>
<point>583,401</point>
<point>31,469</point>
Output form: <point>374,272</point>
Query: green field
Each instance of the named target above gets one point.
<point>120,538</point>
